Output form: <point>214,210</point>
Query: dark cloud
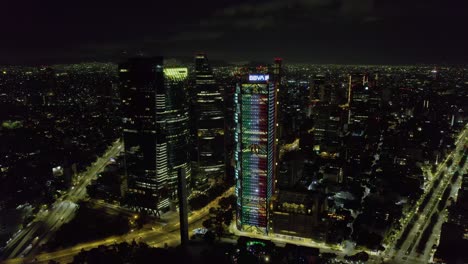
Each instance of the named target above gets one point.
<point>348,30</point>
<point>194,35</point>
<point>340,31</point>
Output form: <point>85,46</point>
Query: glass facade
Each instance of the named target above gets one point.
<point>173,118</point>
<point>155,131</point>
<point>209,119</point>
<point>255,103</point>
<point>145,147</point>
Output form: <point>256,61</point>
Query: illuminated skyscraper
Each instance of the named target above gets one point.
<point>209,117</point>
<point>358,95</point>
<point>255,139</point>
<point>155,131</point>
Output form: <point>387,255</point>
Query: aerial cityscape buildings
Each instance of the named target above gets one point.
<point>266,162</point>
<point>237,132</point>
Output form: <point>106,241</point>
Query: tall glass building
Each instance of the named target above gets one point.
<point>173,118</point>
<point>255,139</point>
<point>155,131</point>
<point>209,119</point>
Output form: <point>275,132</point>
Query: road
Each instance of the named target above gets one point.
<point>46,222</point>
<point>157,236</point>
<point>427,254</point>
<point>110,209</point>
<point>422,213</point>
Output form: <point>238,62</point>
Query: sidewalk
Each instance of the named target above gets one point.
<point>283,239</point>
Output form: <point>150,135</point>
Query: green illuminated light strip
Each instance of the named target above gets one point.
<point>176,73</point>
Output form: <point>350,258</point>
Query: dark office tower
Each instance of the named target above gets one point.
<point>318,91</point>
<point>375,81</point>
<point>254,154</point>
<point>327,128</point>
<point>173,117</point>
<point>356,82</point>
<point>155,131</point>
<point>229,129</point>
<point>278,71</point>
<point>142,79</point>
<point>209,120</point>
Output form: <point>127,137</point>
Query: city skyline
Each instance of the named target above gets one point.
<point>267,162</point>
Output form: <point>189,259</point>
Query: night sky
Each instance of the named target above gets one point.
<point>315,31</point>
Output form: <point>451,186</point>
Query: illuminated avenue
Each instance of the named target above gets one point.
<point>63,210</point>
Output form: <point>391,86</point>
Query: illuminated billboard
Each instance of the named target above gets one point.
<point>259,77</point>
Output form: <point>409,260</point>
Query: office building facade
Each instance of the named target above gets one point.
<point>209,120</point>
<point>155,131</point>
<point>173,118</point>
<point>254,154</point>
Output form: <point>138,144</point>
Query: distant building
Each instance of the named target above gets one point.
<point>107,94</point>
<point>328,123</point>
<point>318,91</point>
<point>209,119</point>
<point>364,98</point>
<point>358,95</point>
<point>49,86</point>
<point>298,214</point>
<point>155,131</point>
<point>255,139</point>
